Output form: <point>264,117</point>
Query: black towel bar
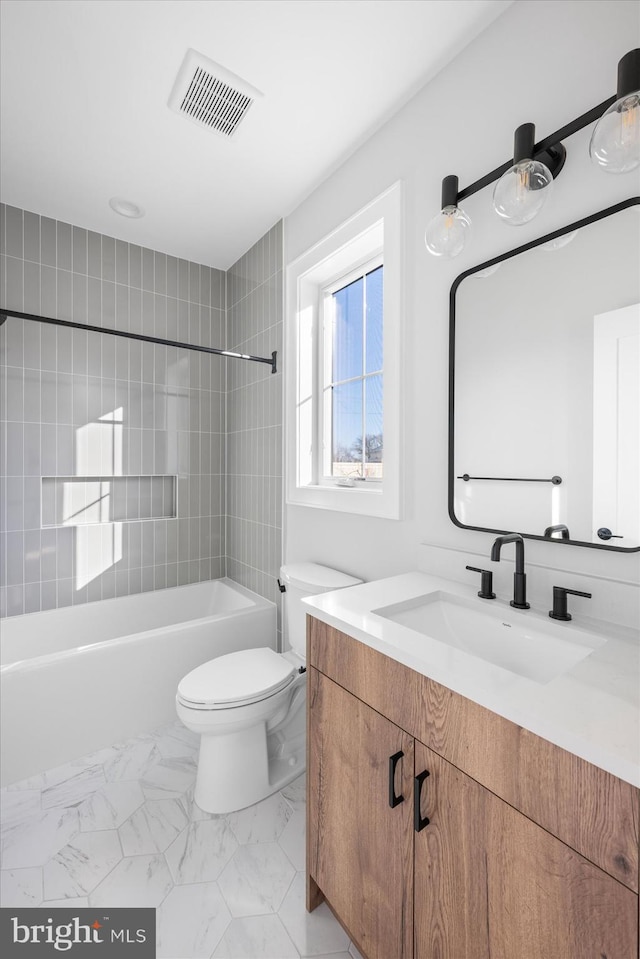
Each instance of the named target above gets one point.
<point>556,480</point>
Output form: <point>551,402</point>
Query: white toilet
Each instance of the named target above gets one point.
<point>248,706</point>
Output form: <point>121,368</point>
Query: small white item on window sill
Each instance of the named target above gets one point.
<point>345,482</point>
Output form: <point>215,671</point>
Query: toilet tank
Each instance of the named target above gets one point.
<point>306,579</point>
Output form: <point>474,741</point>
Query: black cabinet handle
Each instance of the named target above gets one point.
<point>418,821</point>
<point>393,762</point>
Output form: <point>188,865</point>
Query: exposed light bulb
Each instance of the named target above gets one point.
<point>615,141</point>
<point>447,232</point>
<point>522,191</point>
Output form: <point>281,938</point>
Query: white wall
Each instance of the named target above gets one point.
<point>545,61</point>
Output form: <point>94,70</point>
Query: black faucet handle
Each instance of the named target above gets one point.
<point>560,594</point>
<point>486,582</point>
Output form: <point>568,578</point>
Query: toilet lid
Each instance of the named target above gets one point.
<point>242,677</point>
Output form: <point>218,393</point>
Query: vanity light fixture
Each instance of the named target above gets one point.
<point>447,232</point>
<point>522,191</point>
<point>525,182</point>
<point>615,141</point>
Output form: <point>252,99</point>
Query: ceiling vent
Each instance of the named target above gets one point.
<point>210,95</point>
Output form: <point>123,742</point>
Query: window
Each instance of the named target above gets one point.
<point>342,378</point>
<point>352,365</point>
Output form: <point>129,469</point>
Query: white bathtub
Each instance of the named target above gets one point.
<point>77,679</point>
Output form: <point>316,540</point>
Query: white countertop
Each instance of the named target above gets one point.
<point>592,710</point>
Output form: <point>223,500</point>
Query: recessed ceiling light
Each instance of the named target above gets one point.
<point>125,207</point>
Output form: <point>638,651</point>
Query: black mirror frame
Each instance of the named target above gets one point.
<point>600,215</point>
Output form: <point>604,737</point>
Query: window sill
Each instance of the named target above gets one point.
<point>347,499</point>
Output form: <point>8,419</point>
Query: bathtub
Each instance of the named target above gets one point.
<point>77,679</point>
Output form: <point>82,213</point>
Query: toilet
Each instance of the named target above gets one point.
<point>248,706</point>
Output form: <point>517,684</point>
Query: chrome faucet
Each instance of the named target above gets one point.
<point>519,600</point>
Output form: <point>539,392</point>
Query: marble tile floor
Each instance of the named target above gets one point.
<point>120,828</point>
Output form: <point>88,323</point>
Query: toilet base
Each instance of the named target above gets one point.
<point>224,783</point>
<point>240,768</point>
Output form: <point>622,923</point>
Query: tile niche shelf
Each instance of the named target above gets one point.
<point>86,500</point>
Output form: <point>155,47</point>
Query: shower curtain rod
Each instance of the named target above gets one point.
<point>4,313</point>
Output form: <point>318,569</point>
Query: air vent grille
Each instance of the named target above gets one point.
<point>210,95</point>
<point>214,103</point>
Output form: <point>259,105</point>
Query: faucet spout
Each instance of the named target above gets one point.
<point>558,528</point>
<point>519,600</point>
<point>510,538</point>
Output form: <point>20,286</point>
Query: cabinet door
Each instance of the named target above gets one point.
<point>359,848</point>
<point>491,884</point>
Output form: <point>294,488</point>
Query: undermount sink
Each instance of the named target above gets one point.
<point>513,640</point>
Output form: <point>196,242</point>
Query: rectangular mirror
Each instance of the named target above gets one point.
<point>544,387</point>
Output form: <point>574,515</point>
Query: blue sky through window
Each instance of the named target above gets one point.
<point>357,376</point>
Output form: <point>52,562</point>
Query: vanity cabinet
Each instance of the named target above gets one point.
<point>362,848</point>
<point>483,879</point>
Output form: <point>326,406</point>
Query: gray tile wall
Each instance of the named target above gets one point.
<point>77,501</point>
<point>58,393</point>
<point>254,418</point>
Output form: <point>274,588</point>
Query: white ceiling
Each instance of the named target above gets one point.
<point>84,115</point>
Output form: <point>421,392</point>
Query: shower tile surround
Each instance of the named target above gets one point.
<point>254,418</point>
<point>121,826</point>
<point>84,404</point>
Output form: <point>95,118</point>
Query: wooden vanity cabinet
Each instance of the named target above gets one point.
<point>481,880</point>
<point>360,847</point>
<point>491,884</point>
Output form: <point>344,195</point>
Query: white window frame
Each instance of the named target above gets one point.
<point>374,232</point>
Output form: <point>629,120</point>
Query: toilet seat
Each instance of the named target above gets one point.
<point>236,679</point>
